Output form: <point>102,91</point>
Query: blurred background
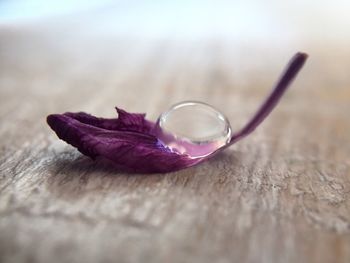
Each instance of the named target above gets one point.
<point>89,41</point>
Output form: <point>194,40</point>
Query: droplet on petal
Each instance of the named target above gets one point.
<point>193,128</point>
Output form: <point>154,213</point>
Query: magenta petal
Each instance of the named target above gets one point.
<point>127,141</point>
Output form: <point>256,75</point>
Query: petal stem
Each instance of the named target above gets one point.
<point>291,71</point>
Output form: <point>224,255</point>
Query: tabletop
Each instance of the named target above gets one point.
<point>280,195</point>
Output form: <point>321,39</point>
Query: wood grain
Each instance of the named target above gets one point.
<point>281,195</point>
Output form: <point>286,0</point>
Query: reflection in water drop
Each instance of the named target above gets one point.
<point>193,128</point>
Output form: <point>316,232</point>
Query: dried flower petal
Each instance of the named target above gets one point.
<point>130,143</point>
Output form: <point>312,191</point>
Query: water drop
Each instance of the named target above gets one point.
<point>193,128</point>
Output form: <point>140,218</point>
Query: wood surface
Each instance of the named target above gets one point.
<point>280,195</point>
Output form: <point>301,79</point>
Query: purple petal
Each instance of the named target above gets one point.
<point>130,143</point>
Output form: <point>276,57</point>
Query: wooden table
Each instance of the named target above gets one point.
<point>280,195</point>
